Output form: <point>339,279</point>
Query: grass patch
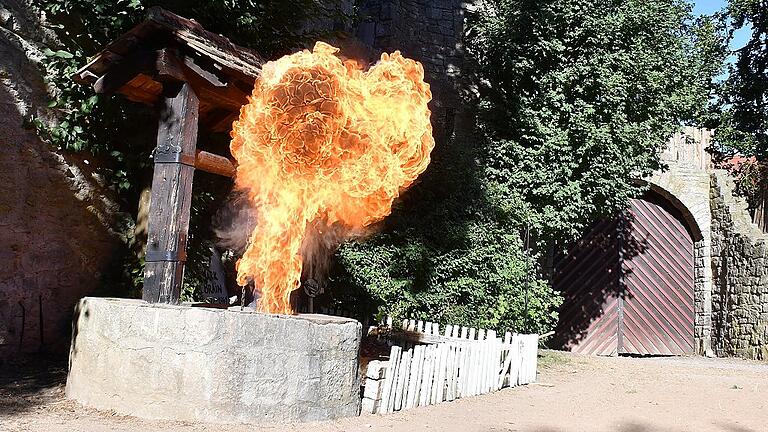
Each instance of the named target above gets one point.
<point>552,358</point>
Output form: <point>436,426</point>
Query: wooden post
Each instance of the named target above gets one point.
<point>171,193</point>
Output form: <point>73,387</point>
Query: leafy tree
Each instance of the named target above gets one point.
<point>744,126</point>
<point>743,104</point>
<point>451,252</point>
<point>574,99</point>
<point>578,97</point>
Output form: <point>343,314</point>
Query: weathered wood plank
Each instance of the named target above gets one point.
<point>413,381</point>
<point>214,164</point>
<point>402,380</point>
<point>452,372</point>
<point>171,194</point>
<point>425,385</point>
<point>390,377</point>
<point>504,372</point>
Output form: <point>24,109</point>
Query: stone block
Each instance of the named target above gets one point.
<point>213,365</point>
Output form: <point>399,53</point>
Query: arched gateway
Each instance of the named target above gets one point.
<point>642,283</point>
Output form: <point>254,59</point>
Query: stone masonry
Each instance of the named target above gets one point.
<point>57,222</point>
<point>213,365</point>
<point>430,32</point>
<point>740,268</point>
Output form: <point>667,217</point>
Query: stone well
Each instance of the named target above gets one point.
<point>212,365</point>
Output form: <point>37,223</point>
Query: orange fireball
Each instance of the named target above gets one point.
<point>322,139</point>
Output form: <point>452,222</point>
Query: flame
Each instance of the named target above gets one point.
<point>323,140</point>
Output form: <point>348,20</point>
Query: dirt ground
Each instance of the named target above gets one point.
<point>573,393</point>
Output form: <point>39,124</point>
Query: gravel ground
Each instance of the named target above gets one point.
<point>574,393</point>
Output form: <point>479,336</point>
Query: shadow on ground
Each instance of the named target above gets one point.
<point>27,384</point>
<point>643,427</point>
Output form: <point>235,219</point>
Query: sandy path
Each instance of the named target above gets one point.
<point>574,393</point>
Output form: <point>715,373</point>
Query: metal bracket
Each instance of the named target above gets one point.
<point>178,255</point>
<point>172,256</point>
<point>166,156</point>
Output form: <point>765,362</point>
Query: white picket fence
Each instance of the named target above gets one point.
<point>461,362</point>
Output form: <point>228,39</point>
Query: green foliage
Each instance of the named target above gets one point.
<point>575,99</point>
<point>741,126</point>
<point>450,253</point>
<point>744,98</point>
<point>578,97</point>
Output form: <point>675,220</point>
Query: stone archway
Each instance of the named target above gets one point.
<point>687,189</point>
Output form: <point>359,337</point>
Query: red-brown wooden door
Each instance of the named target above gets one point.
<point>588,276</point>
<point>628,284</point>
<point>656,313</point>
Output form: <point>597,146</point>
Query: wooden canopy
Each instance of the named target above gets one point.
<point>137,63</point>
<point>197,80</point>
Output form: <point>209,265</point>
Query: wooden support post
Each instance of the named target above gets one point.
<point>171,194</point>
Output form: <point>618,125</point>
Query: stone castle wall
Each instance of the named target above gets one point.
<point>430,32</point>
<point>740,270</point>
<point>55,235</point>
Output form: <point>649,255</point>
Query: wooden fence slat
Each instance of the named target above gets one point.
<point>477,366</point>
<point>463,361</point>
<point>465,366</point>
<point>504,373</point>
<point>426,373</point>
<point>517,360</point>
<point>413,382</point>
<point>459,370</point>
<point>390,380</point>
<point>422,377</point>
<point>433,375</point>
<point>438,385</point>
<point>450,371</point>
<point>491,360</point>
<point>533,346</point>
<point>482,361</point>
<point>402,377</point>
<point>418,376</point>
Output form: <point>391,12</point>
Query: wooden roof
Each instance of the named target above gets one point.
<point>221,73</point>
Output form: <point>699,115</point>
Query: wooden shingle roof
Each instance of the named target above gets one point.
<point>221,73</point>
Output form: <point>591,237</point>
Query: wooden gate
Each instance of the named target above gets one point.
<point>628,284</point>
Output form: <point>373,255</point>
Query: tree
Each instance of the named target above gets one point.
<point>743,126</point>
<point>578,97</point>
<point>574,100</point>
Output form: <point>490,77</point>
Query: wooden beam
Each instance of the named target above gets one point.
<point>171,194</point>
<point>214,164</point>
<point>168,66</point>
<point>123,72</point>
